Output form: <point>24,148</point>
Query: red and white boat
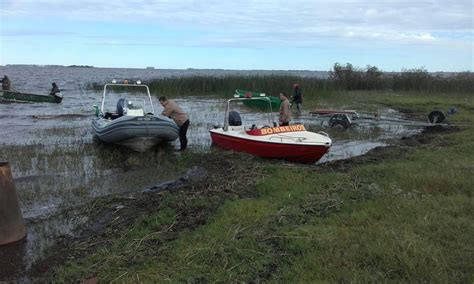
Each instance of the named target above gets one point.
<point>293,142</point>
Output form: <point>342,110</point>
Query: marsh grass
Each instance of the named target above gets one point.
<point>341,78</point>
<point>403,216</point>
<point>67,174</point>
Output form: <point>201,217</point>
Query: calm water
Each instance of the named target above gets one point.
<point>57,164</point>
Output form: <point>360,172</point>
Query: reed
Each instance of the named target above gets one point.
<point>341,78</point>
<point>226,86</point>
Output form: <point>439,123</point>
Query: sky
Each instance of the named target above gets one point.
<point>240,34</point>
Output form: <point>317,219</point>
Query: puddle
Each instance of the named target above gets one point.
<point>341,150</point>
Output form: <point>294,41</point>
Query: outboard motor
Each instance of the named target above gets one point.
<point>234,119</point>
<point>120,106</point>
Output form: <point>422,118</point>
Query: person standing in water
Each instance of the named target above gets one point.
<point>285,114</point>
<point>297,97</point>
<point>173,111</point>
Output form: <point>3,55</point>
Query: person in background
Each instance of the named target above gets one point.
<point>297,97</point>
<point>6,83</point>
<point>54,90</point>
<point>285,114</point>
<point>173,111</point>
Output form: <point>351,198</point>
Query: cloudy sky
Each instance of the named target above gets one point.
<point>239,34</point>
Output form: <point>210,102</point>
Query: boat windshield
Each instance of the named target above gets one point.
<point>231,103</point>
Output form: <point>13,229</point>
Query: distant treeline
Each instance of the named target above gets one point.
<point>341,77</point>
<point>80,66</point>
<point>348,77</point>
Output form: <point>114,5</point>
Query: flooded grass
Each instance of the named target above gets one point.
<point>55,180</point>
<point>59,168</point>
<point>60,165</point>
<point>51,176</point>
<point>400,213</point>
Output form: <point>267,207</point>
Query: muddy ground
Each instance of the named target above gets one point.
<point>219,176</point>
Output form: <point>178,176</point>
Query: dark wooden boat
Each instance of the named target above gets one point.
<point>15,96</point>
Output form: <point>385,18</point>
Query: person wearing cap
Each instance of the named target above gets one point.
<point>6,83</point>
<point>285,114</point>
<point>54,90</point>
<point>173,111</point>
<point>297,97</point>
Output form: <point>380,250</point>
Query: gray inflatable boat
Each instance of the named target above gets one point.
<point>133,122</point>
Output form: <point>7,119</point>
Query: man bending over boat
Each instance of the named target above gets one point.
<point>55,90</point>
<point>285,114</point>
<point>173,111</point>
<point>6,83</point>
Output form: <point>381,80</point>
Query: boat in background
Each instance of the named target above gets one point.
<point>275,102</point>
<point>20,97</point>
<point>293,142</point>
<point>133,122</point>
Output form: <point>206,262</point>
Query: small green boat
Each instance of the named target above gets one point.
<point>15,96</point>
<point>260,104</point>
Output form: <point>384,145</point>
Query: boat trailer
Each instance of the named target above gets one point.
<point>344,119</point>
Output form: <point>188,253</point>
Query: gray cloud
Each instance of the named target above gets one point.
<point>282,23</point>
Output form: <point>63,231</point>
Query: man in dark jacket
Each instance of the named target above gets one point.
<point>6,83</point>
<point>297,97</point>
<point>55,90</point>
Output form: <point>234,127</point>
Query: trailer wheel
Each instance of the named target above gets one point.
<point>339,124</point>
<point>436,116</point>
<point>339,120</point>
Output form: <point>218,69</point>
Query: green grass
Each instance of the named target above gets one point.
<point>403,217</point>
